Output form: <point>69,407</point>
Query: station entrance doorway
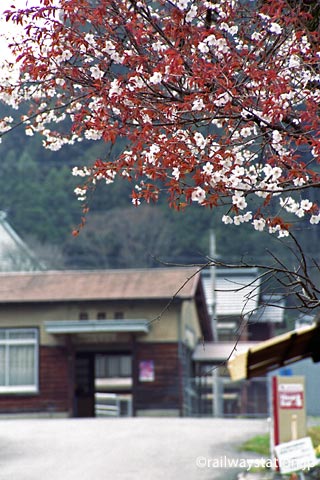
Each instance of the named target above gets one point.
<point>103,384</point>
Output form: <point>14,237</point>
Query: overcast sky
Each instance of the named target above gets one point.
<point>8,28</point>
<point>18,3</point>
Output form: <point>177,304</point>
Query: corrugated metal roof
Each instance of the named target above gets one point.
<point>162,283</point>
<point>236,291</point>
<point>270,311</point>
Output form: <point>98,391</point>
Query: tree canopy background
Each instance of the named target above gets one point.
<point>36,192</point>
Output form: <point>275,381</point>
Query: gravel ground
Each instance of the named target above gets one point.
<point>123,449</point>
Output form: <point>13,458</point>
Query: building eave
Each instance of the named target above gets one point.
<point>57,327</point>
<point>218,352</point>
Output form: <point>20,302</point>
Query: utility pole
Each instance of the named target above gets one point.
<point>216,393</point>
<point>212,250</point>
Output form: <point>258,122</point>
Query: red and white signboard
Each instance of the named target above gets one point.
<point>291,395</point>
<point>289,409</point>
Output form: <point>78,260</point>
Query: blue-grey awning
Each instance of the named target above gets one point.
<point>97,326</point>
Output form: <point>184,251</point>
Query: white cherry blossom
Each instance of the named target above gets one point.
<point>275,28</point>
<point>96,73</point>
<point>259,224</point>
<point>226,219</point>
<point>198,195</point>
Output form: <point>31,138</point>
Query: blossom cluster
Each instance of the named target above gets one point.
<point>217,101</point>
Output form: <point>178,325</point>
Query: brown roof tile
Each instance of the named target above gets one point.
<point>98,285</point>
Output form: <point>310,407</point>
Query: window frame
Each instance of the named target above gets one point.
<point>114,365</point>
<point>7,342</point>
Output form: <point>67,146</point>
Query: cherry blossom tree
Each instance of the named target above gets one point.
<point>218,102</point>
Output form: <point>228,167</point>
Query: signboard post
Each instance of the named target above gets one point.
<point>289,409</point>
<point>293,449</point>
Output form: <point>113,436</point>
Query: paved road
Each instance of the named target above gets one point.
<point>122,449</point>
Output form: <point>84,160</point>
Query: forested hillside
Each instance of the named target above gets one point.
<point>37,194</point>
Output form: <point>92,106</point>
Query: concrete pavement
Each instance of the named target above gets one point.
<point>124,448</point>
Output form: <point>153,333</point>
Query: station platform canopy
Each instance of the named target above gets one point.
<point>276,352</point>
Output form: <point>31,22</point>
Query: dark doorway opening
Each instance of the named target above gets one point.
<point>84,385</point>
<point>103,384</point>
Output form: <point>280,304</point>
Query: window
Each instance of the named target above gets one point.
<point>83,316</point>
<point>119,315</point>
<point>101,316</point>
<point>111,366</point>
<point>18,360</point>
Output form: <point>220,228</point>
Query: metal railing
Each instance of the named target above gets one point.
<point>218,396</point>
<point>112,405</point>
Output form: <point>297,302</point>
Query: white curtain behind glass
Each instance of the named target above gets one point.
<point>21,361</point>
